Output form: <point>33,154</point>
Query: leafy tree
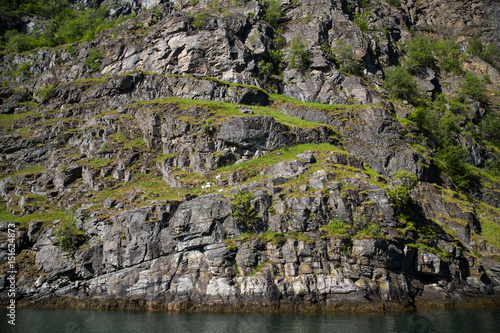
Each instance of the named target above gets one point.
<point>360,21</point>
<point>420,54</point>
<point>345,58</point>
<point>400,193</point>
<point>272,12</point>
<point>451,159</point>
<point>490,128</point>
<point>68,236</point>
<point>243,210</point>
<point>400,83</point>
<point>300,56</point>
<point>489,53</point>
<point>62,24</point>
<point>473,87</point>
<point>448,53</point>
<point>475,46</point>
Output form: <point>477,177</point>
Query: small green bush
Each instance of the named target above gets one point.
<point>448,53</point>
<point>336,227</point>
<point>451,159</point>
<point>360,21</point>
<point>394,3</point>
<point>94,59</point>
<point>489,53</point>
<point>68,236</point>
<point>198,20</point>
<point>475,46</point>
<point>490,128</point>
<point>400,193</point>
<point>46,93</point>
<point>272,12</point>
<point>344,56</point>
<point>300,56</point>
<point>400,83</point>
<point>242,209</point>
<point>473,88</point>
<point>420,54</point>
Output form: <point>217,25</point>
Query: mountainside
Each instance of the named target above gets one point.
<point>250,155</point>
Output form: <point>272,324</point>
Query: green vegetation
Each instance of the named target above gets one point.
<point>94,59</point>
<point>474,89</point>
<point>272,69</point>
<point>400,194</point>
<point>360,20</point>
<point>299,54</point>
<point>394,3</point>
<point>46,93</point>
<point>68,236</point>
<point>401,84</point>
<point>275,238</point>
<point>336,227</point>
<point>419,54</point>
<point>344,56</point>
<point>44,211</point>
<point>490,53</point>
<point>490,128</point>
<point>198,20</point>
<point>243,210</point>
<point>448,53</point>
<point>60,23</point>
<point>98,163</point>
<point>272,12</point>
<point>451,159</point>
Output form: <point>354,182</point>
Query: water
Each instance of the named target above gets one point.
<point>81,321</point>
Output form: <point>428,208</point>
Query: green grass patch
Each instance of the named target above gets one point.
<point>335,228</point>
<point>9,119</point>
<point>275,238</point>
<point>327,107</point>
<point>281,155</point>
<point>137,143</point>
<point>285,119</point>
<point>47,213</point>
<point>31,170</point>
<point>97,163</point>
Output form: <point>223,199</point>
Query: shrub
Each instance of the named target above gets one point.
<point>475,46</point>
<point>448,53</point>
<point>451,159</point>
<point>68,236</point>
<point>490,53</point>
<point>394,3</point>
<point>94,59</point>
<point>300,56</point>
<point>473,88</point>
<point>62,24</point>
<point>400,83</point>
<point>344,55</point>
<point>45,94</point>
<point>272,12</point>
<point>400,194</point>
<point>360,21</point>
<point>490,127</point>
<point>198,20</point>
<point>420,54</point>
<point>335,227</point>
<point>243,210</point>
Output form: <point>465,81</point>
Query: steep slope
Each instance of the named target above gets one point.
<point>255,155</point>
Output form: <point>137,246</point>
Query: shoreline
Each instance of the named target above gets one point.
<point>285,307</point>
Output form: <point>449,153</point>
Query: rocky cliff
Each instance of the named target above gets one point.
<point>230,155</point>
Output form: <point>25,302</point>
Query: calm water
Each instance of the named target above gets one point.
<point>80,321</point>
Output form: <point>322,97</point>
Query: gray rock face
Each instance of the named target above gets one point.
<point>185,182</point>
